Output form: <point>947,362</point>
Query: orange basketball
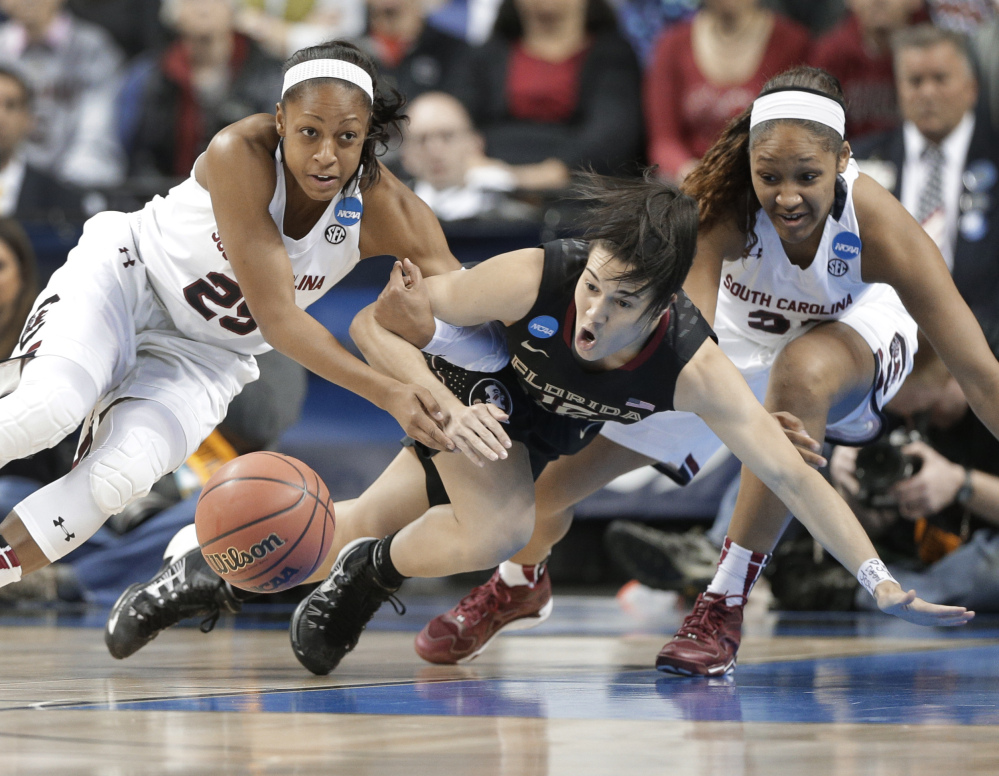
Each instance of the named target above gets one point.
<point>265,522</point>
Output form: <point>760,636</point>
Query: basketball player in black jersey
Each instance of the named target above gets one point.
<point>597,329</point>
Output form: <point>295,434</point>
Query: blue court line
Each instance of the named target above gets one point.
<point>953,686</point>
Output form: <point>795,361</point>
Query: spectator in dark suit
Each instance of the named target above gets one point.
<point>27,192</point>
<point>942,164</point>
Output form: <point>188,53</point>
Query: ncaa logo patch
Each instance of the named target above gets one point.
<point>544,326</point>
<point>335,234</point>
<point>491,391</point>
<point>846,245</point>
<point>348,211</point>
<point>837,267</point>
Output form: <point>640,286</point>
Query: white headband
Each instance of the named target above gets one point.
<point>328,68</point>
<point>796,104</point>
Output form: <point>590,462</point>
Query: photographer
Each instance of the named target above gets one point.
<point>932,498</point>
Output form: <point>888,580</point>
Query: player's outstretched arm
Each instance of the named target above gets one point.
<point>712,387</point>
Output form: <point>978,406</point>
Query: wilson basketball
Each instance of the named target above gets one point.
<point>265,522</point>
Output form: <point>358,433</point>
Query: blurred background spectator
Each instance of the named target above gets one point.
<point>209,77</point>
<point>135,25</point>
<point>282,27</point>
<point>858,53</point>
<point>642,21</point>
<point>706,71</point>
<point>943,163</point>
<point>961,15</point>
<point>412,56</point>
<point>73,68</point>
<point>471,20</point>
<point>818,16</point>
<point>18,283</point>
<point>985,47</point>
<point>444,157</point>
<point>27,192</point>
<point>555,89</point>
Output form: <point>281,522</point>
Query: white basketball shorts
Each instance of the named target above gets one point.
<point>99,312</point>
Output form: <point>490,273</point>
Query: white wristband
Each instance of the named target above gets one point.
<point>872,573</point>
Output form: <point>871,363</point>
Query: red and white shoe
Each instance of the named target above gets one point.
<point>708,640</point>
<point>462,633</point>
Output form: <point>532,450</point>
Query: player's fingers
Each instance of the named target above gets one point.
<point>493,420</point>
<point>467,447</point>
<point>413,271</point>
<point>489,432</point>
<point>430,404</point>
<point>808,449</point>
<point>432,436</point>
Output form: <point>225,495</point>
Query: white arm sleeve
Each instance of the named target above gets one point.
<point>479,348</point>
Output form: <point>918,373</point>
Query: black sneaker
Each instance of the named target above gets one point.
<point>327,624</point>
<point>184,587</point>
<point>660,559</point>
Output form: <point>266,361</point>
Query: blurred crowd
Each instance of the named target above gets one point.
<point>105,97</point>
<point>104,103</point>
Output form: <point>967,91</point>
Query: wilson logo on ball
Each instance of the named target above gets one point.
<point>233,559</point>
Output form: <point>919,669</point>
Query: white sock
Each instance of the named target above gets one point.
<point>738,570</point>
<point>513,574</point>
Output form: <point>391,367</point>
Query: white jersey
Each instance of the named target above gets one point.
<point>188,270</point>
<point>771,301</point>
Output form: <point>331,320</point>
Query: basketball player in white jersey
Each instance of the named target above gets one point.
<point>804,257</point>
<point>151,327</point>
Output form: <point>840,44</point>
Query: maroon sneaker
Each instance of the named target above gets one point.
<point>707,641</point>
<point>465,631</point>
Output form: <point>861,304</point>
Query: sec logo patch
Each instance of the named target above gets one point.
<point>348,211</point>
<point>335,234</point>
<point>837,267</point>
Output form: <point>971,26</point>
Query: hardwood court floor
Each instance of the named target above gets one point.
<point>814,694</point>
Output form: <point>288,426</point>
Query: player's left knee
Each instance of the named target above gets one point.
<point>121,473</point>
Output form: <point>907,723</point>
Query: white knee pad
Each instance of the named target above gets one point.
<point>136,444</point>
<point>53,397</point>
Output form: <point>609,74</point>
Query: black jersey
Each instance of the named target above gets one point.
<point>542,354</point>
<point>556,406</point>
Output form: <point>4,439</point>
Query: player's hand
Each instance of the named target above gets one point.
<point>891,599</point>
<point>932,488</point>
<point>419,414</point>
<point>403,306</point>
<point>809,449</point>
<point>478,433</point>
<point>843,469</point>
